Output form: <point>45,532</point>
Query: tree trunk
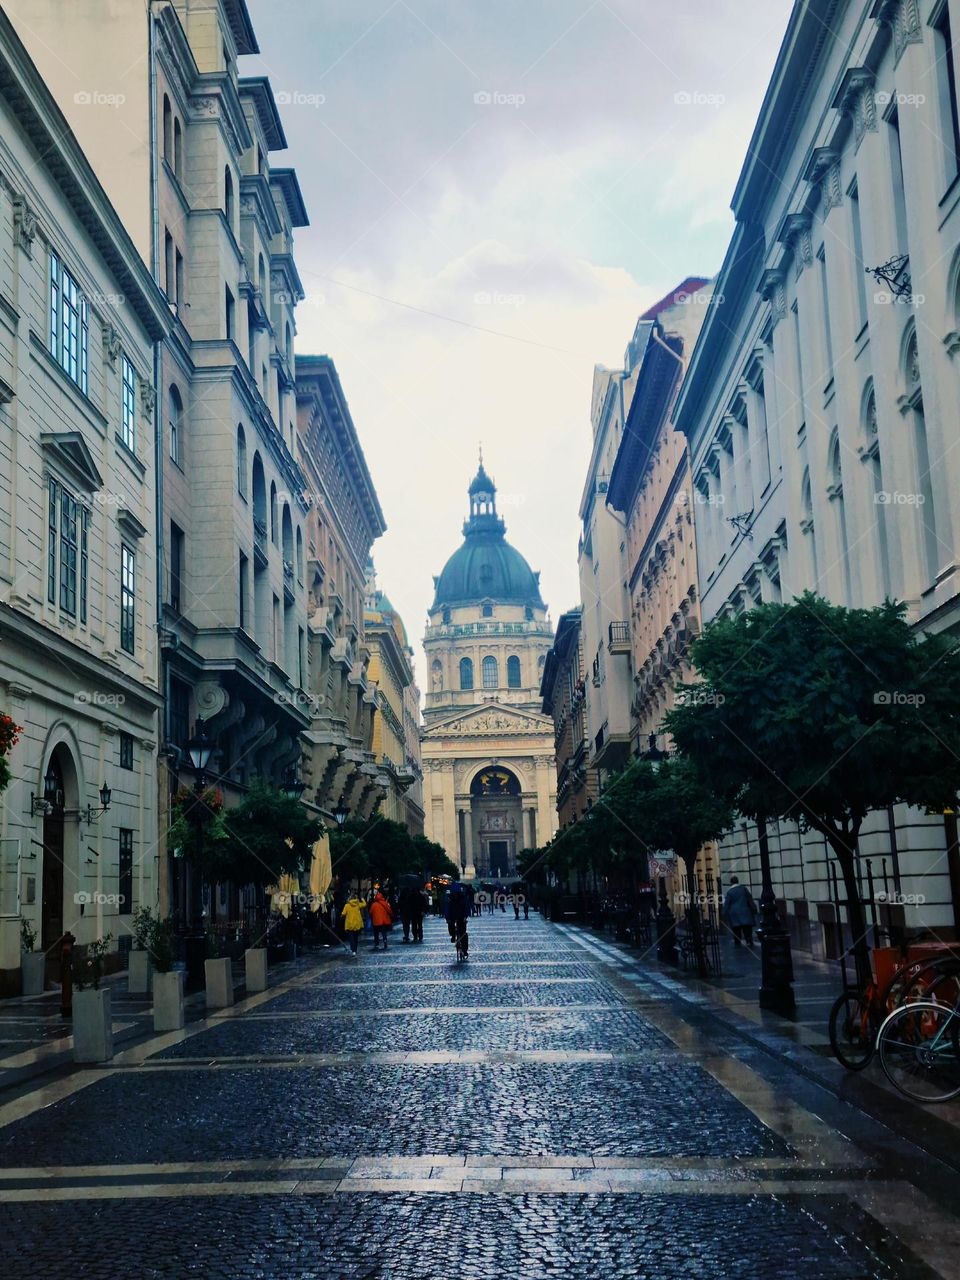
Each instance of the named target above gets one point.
<point>845,849</point>
<point>694,919</point>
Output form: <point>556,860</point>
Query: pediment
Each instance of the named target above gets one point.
<point>70,452</point>
<point>494,720</point>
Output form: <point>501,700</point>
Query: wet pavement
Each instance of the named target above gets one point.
<point>546,1110</point>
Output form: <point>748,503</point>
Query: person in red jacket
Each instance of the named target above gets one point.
<point>381,917</point>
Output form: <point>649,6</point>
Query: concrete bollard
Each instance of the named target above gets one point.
<point>256,966</point>
<point>218,980</point>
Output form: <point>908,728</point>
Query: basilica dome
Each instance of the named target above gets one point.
<point>486,566</point>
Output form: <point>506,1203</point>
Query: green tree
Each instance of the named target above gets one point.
<point>267,835</point>
<point>816,712</point>
<point>431,858</point>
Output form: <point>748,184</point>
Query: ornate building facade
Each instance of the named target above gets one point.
<point>488,751</point>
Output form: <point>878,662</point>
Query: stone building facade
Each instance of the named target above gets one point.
<point>344,518</point>
<point>391,673</point>
<point>488,762</point>
<point>563,690</point>
<point>80,320</point>
<point>820,405</point>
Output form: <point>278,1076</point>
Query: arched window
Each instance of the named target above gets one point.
<point>167,131</point>
<point>447,615</point>
<point>466,673</point>
<point>286,527</point>
<point>870,453</point>
<point>274,529</point>
<point>513,672</point>
<point>299,555</point>
<point>175,425</point>
<point>491,676</point>
<point>289,345</point>
<point>228,196</point>
<point>923,497</point>
<point>177,149</point>
<point>241,461</point>
<point>835,493</point>
<point>487,611</point>
<point>807,529</point>
<point>262,276</point>
<point>259,494</point>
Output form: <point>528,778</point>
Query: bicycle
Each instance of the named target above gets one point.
<point>919,1048</point>
<point>857,1016</point>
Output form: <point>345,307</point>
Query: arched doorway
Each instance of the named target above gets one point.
<point>51,910</point>
<point>495,812</point>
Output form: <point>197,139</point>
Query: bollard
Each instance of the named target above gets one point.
<point>66,975</point>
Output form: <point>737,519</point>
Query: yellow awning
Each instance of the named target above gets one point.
<point>321,872</point>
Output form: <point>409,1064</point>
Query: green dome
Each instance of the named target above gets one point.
<point>486,567</point>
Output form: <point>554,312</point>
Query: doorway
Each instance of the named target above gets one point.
<point>499,859</point>
<point>51,910</point>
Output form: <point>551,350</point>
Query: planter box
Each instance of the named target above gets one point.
<point>92,1026</point>
<point>32,967</point>
<point>218,977</point>
<point>168,1001</point>
<point>255,961</point>
<point>139,973</point>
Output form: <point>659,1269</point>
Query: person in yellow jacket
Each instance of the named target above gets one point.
<point>353,921</point>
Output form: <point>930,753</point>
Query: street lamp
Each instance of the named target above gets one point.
<point>340,814</point>
<point>199,749</point>
<point>292,787</point>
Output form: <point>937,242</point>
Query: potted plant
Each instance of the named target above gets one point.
<point>92,1024</point>
<point>218,974</point>
<point>139,966</point>
<point>32,963</point>
<point>167,981</point>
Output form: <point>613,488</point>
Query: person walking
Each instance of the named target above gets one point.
<point>418,907</point>
<point>407,905</point>
<point>352,914</point>
<point>739,912</point>
<point>381,917</point>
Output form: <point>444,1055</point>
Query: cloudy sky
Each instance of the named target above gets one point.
<point>496,189</point>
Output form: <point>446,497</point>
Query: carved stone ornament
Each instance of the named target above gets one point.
<point>24,225</point>
<point>148,397</point>
<point>857,99</point>
<point>111,344</point>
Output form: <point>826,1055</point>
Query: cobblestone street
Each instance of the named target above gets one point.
<point>543,1111</point>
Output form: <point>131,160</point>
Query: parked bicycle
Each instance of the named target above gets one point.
<point>919,1049</point>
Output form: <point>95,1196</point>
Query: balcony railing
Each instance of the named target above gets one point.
<point>619,637</point>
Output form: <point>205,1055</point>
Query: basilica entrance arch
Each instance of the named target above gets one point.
<point>495,814</point>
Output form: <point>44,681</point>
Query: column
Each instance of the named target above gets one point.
<point>525,828</point>
<point>470,871</point>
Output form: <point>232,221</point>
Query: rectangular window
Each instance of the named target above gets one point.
<point>899,195</point>
<point>825,304</point>
<point>300,665</point>
<point>229,312</point>
<point>178,277</point>
<point>169,277</point>
<point>858,263</point>
<point>125,887</point>
<point>176,566</point>
<point>242,589</point>
<point>126,750</point>
<point>53,501</point>
<point>68,323</point>
<point>128,404</point>
<point>947,86</point>
<point>69,547</point>
<point>178,713</point>
<point>128,599</point>
<point>277,635</point>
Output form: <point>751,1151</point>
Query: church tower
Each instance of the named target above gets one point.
<point>488,752</point>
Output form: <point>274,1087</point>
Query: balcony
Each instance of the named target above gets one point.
<point>596,671</point>
<point>619,637</point>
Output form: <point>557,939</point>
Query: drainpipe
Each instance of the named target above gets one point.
<point>161,888</point>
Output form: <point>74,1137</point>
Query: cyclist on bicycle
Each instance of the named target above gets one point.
<point>457,906</point>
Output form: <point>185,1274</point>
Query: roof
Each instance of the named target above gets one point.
<point>241,26</point>
<point>692,284</point>
<point>61,154</point>
<point>659,374</point>
<point>257,89</point>
<point>486,566</point>
<point>289,186</point>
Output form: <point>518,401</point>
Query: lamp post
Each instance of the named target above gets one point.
<point>776,962</point>
<point>199,749</point>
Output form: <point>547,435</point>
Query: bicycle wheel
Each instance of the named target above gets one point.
<point>851,1031</point>
<point>938,981</point>
<point>919,1047</point>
